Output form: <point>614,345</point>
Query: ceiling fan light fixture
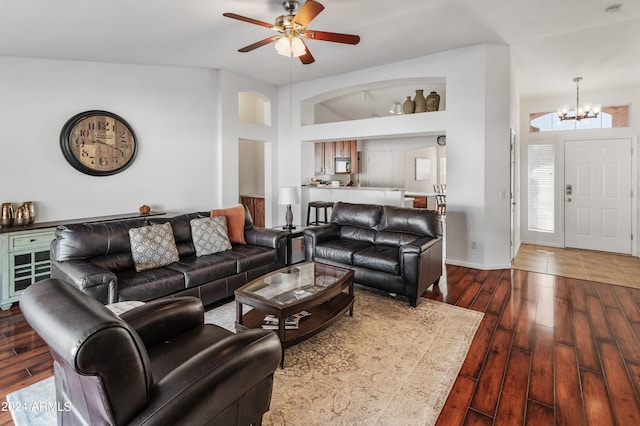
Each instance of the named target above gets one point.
<point>291,47</point>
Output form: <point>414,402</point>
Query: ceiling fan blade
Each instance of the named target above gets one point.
<point>249,20</point>
<point>307,58</point>
<point>335,37</point>
<point>307,12</point>
<point>260,43</point>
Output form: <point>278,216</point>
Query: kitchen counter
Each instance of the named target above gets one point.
<point>354,188</point>
<point>352,194</point>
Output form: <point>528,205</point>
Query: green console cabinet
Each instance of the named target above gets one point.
<point>25,260</point>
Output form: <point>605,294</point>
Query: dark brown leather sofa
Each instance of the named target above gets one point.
<point>157,364</point>
<point>96,259</point>
<point>395,249</point>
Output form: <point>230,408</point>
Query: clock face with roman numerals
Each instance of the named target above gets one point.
<point>98,143</point>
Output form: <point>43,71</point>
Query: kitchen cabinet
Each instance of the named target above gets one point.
<point>326,153</point>
<point>255,205</point>
<point>325,157</point>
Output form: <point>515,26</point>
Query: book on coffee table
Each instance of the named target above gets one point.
<point>270,322</point>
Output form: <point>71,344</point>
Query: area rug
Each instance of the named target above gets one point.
<point>388,364</point>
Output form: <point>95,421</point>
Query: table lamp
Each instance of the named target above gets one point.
<point>288,195</point>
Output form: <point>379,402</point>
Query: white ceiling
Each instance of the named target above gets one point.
<point>552,41</point>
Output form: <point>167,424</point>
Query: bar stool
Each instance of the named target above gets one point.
<point>317,205</point>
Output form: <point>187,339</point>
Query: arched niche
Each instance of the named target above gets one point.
<point>368,101</point>
<point>254,108</point>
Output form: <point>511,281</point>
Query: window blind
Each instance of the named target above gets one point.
<point>540,183</point>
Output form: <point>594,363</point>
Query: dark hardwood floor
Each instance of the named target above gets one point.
<point>550,350</point>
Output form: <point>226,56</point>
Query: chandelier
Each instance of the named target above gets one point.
<point>582,111</point>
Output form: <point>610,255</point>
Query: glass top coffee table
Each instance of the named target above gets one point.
<point>323,291</point>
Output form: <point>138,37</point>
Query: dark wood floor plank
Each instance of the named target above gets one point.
<point>479,347</point>
<point>585,342</point>
<point>596,399</point>
<point>469,295</point>
<point>545,309</point>
<point>474,418</point>
<point>625,299</point>
<point>624,336</point>
<point>523,336</point>
<point>485,399</point>
<point>568,401</point>
<point>606,295</point>
<point>513,401</point>
<point>541,374</point>
<point>561,288</point>
<point>455,408</point>
<point>563,326</point>
<point>598,319</point>
<point>499,298</point>
<point>576,295</point>
<point>624,400</point>
<point>482,301</point>
<point>538,414</point>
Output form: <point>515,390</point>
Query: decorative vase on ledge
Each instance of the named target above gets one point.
<point>433,102</point>
<point>420,101</point>
<point>6,215</point>
<point>408,107</point>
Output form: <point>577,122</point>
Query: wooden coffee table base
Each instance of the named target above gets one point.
<point>322,316</point>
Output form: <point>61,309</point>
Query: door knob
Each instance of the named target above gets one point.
<point>568,199</point>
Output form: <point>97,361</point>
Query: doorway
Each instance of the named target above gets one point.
<point>251,178</point>
<point>598,195</point>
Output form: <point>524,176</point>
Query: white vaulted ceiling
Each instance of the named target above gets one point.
<point>551,41</point>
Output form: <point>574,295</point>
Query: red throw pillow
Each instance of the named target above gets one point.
<point>235,222</point>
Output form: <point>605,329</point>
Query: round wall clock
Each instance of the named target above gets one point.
<point>98,143</point>
<point>442,140</point>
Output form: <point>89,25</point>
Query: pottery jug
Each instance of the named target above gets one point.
<point>408,107</point>
<point>30,210</point>
<point>420,101</point>
<point>433,101</point>
<point>21,218</point>
<point>6,214</point>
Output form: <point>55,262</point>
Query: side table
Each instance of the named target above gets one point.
<point>297,232</point>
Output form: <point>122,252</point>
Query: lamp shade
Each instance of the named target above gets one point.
<point>288,195</point>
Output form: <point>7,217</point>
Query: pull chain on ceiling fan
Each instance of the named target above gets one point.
<point>293,28</point>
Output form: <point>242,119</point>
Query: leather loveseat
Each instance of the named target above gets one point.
<point>96,258</point>
<point>395,249</point>
<point>157,364</point>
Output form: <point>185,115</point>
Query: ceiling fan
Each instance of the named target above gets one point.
<point>293,28</point>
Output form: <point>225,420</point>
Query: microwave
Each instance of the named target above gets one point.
<point>343,165</point>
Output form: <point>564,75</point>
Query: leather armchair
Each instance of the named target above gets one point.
<point>157,364</point>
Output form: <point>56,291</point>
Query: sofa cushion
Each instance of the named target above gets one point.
<point>204,269</point>
<point>360,215</point>
<point>149,284</point>
<point>395,239</point>
<point>87,240</point>
<point>415,221</point>
<point>250,257</point>
<point>210,235</point>
<point>153,246</point>
<point>358,234</point>
<point>341,250</point>
<point>379,258</point>
<point>235,222</point>
<point>181,231</point>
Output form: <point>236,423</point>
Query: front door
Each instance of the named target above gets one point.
<point>597,195</point>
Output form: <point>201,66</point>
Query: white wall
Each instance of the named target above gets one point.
<point>476,123</point>
<point>170,109</point>
<point>251,167</point>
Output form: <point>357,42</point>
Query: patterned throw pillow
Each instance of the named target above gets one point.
<point>153,246</point>
<point>210,235</point>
